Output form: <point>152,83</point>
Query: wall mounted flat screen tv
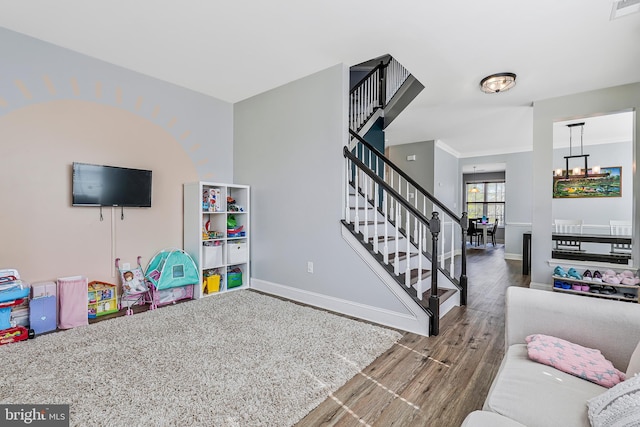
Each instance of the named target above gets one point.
<point>100,185</point>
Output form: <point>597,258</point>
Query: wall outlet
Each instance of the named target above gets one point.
<point>126,266</point>
<point>309,267</point>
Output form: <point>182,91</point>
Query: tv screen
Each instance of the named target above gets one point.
<point>100,185</point>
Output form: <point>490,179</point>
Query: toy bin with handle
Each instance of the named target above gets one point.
<point>234,279</point>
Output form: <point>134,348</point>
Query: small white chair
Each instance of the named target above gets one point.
<point>568,226</point>
<point>620,228</point>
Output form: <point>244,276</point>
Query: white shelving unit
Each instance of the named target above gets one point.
<point>209,212</point>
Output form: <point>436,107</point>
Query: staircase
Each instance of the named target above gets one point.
<point>412,238</point>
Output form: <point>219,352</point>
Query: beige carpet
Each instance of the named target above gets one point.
<point>235,359</point>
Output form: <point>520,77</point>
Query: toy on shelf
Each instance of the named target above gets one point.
<point>211,200</point>
<point>135,287</point>
<point>232,206</point>
<point>208,234</point>
<point>233,229</point>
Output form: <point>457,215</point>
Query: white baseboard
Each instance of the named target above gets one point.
<point>381,316</point>
<point>515,257</point>
<point>541,286</point>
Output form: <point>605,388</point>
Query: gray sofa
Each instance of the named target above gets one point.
<point>527,393</point>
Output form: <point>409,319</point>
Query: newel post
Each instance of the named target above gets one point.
<point>382,81</point>
<point>434,298</point>
<point>464,223</point>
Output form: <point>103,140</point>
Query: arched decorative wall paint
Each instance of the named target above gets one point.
<point>58,106</point>
<point>34,71</point>
<point>49,237</point>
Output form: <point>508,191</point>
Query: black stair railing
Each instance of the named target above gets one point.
<point>372,188</point>
<point>374,91</point>
<point>451,227</point>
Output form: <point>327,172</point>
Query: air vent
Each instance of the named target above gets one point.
<point>624,7</point>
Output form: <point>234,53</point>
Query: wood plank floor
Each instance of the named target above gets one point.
<point>434,381</point>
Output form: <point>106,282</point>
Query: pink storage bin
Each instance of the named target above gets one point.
<point>72,302</point>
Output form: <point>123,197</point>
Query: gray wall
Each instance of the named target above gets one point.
<point>596,212</point>
<point>519,179</point>
<point>421,170</point>
<point>545,112</point>
<point>488,177</point>
<point>441,174</point>
<point>446,179</point>
<point>288,147</point>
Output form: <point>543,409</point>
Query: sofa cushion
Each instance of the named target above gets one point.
<point>583,362</point>
<point>538,395</point>
<point>488,419</point>
<point>617,407</point>
<point>634,363</point>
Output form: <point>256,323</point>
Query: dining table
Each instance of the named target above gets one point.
<point>484,226</point>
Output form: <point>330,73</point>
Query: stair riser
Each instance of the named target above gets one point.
<point>413,262</point>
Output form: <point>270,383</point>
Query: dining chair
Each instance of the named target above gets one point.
<point>492,232</point>
<point>473,231</point>
<point>568,226</point>
<point>620,228</point>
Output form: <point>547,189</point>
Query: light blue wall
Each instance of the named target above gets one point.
<point>519,179</point>
<point>545,113</point>
<point>425,155</point>
<point>288,147</point>
<point>595,213</point>
<point>446,180</point>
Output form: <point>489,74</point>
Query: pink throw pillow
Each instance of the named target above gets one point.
<point>583,362</point>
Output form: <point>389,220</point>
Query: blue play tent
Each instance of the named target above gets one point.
<point>172,268</point>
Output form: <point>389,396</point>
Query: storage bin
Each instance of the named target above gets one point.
<point>72,302</point>
<point>237,252</point>
<point>20,317</point>
<point>234,280</point>
<point>211,256</point>
<point>212,284</point>
<point>42,314</point>
<point>44,289</point>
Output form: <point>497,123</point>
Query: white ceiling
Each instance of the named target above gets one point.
<point>236,49</point>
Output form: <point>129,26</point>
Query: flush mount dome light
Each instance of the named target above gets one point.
<point>498,82</point>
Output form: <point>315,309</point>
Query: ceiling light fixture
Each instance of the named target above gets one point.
<point>577,171</point>
<point>500,82</point>
<point>475,188</point>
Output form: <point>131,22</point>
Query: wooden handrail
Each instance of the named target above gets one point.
<point>381,66</point>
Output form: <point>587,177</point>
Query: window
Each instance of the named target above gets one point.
<point>487,201</point>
